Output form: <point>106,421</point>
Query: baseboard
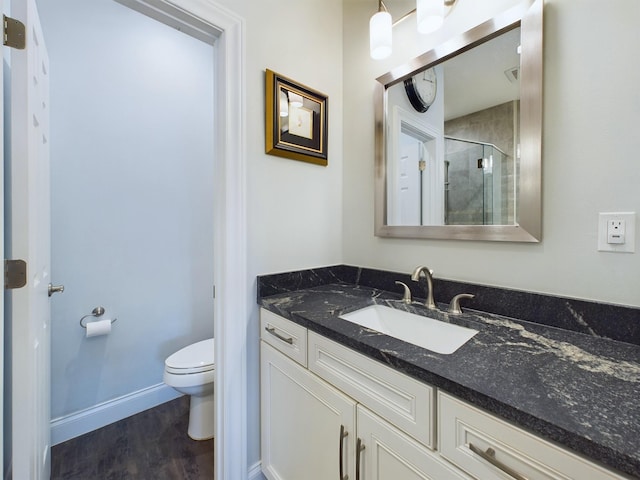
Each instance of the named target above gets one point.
<point>255,472</point>
<point>98,416</point>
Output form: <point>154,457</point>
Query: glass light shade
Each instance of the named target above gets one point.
<point>284,105</point>
<point>430,15</point>
<point>380,35</point>
<point>295,100</point>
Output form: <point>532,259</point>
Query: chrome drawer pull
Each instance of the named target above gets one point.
<point>273,332</point>
<point>343,435</point>
<point>359,449</point>
<point>490,456</point>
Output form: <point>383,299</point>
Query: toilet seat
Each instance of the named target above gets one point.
<point>195,358</point>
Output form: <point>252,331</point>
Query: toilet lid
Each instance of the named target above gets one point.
<point>196,357</point>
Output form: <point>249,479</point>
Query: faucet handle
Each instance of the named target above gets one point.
<point>454,306</point>
<point>406,298</point>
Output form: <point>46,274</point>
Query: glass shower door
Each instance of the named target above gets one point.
<point>477,184</point>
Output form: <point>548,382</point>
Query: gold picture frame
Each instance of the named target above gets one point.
<point>296,120</point>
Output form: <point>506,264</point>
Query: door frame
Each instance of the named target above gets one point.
<point>231,311</point>
<point>230,238</point>
<point>2,284</point>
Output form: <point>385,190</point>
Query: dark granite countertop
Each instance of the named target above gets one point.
<point>578,390</point>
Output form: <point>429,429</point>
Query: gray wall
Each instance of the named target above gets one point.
<point>131,182</point>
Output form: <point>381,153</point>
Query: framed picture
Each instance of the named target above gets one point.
<point>296,122</point>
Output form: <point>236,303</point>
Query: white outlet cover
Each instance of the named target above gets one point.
<point>629,246</point>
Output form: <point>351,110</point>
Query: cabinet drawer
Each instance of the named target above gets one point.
<point>401,400</point>
<point>284,335</point>
<point>490,448</point>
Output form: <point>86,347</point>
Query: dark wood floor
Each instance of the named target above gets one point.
<point>151,445</point>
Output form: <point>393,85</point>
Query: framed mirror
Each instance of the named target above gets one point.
<point>459,136</point>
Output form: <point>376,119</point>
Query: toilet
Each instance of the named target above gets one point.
<point>191,371</point>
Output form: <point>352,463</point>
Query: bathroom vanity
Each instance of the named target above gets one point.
<point>517,400</point>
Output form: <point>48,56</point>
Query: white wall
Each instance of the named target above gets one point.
<point>591,115</point>
<point>294,208</point>
<point>132,170</point>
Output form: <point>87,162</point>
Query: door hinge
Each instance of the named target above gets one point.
<point>14,33</point>
<point>214,291</point>
<point>15,274</point>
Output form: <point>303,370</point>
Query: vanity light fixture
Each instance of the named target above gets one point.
<point>380,36</point>
<point>429,14</point>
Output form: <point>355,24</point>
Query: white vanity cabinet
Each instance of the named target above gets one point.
<point>329,412</point>
<point>316,430</point>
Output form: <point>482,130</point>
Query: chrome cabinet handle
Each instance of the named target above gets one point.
<point>359,449</point>
<point>490,456</point>
<point>343,435</point>
<point>273,332</point>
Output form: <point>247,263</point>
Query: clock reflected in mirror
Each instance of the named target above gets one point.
<point>421,89</point>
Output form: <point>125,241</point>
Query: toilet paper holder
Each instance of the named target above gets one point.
<point>96,312</point>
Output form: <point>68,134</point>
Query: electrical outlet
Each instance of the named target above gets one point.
<point>616,232</point>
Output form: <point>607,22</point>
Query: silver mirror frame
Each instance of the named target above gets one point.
<point>528,227</point>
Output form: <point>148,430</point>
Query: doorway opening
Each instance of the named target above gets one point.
<point>229,231</point>
<point>132,204</point>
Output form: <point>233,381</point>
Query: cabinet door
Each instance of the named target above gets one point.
<point>302,419</point>
<point>390,454</point>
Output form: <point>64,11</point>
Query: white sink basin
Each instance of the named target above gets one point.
<point>434,335</point>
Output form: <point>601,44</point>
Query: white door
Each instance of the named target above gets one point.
<point>308,427</point>
<point>2,253</point>
<point>409,182</point>
<point>29,239</point>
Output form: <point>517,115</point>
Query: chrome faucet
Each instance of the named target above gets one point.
<point>427,273</point>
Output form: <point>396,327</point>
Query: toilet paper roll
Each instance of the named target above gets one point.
<point>101,327</point>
